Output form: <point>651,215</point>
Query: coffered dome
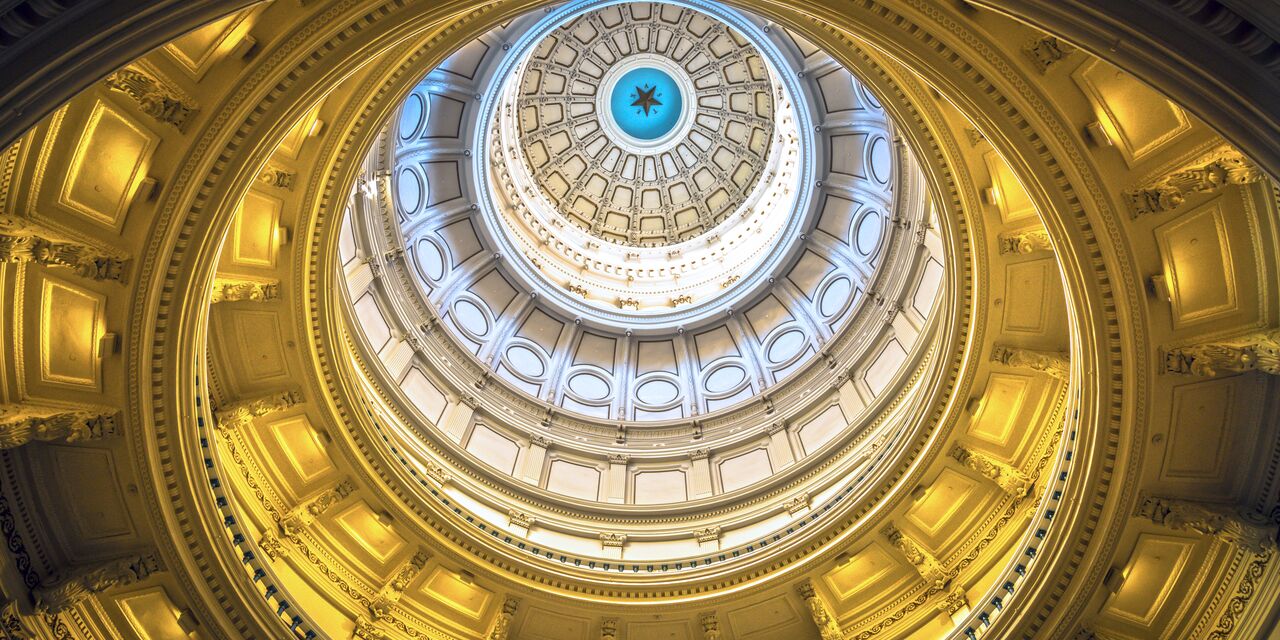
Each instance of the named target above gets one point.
<point>647,124</point>
<point>842,319</point>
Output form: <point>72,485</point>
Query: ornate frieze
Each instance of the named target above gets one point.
<point>241,414</point>
<point>502,625</point>
<point>929,567</point>
<point>827,625</point>
<point>1024,242</point>
<point>304,514</point>
<point>1009,479</point>
<point>151,95</point>
<point>1252,532</point>
<point>24,423</point>
<point>797,504</point>
<point>85,261</point>
<point>707,534</point>
<point>710,626</point>
<point>1054,364</point>
<point>68,590</point>
<point>381,605</point>
<point>1226,167</point>
<point>1046,52</point>
<point>229,289</point>
<point>1252,352</point>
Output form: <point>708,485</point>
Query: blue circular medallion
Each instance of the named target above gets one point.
<point>646,103</point>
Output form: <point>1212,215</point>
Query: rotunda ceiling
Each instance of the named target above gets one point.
<point>644,124</point>
<point>571,322</point>
<point>625,392</point>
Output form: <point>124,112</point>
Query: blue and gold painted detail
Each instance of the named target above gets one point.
<point>646,103</point>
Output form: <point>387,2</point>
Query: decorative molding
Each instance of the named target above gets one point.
<point>366,629</point>
<point>1252,532</point>
<point>1251,352</point>
<point>710,626</point>
<point>1226,167</point>
<point>1009,479</point>
<point>232,289</point>
<point>85,261</point>
<point>609,629</point>
<point>1024,242</point>
<point>931,570</point>
<point>797,504</point>
<point>827,625</point>
<point>1046,52</point>
<point>707,534</point>
<point>277,178</point>
<point>613,539</point>
<point>520,519</point>
<point>272,545</point>
<point>66,591</point>
<point>303,515</point>
<point>1054,364</point>
<point>241,414</point>
<point>502,625</point>
<point>151,95</point>
<point>24,423</point>
<point>390,594</point>
<point>953,601</point>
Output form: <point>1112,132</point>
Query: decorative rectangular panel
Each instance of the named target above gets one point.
<point>370,533</point>
<point>445,587</point>
<point>1002,410</point>
<point>1137,119</point>
<point>742,470</point>
<point>1026,306</point>
<point>109,162</point>
<point>255,232</point>
<point>304,453</point>
<point>1011,199</point>
<point>1198,264</point>
<point>258,336</point>
<point>71,323</point>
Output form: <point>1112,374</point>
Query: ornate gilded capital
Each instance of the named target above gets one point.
<point>1025,242</point>
<point>1009,479</point>
<point>24,423</point>
<point>1225,166</point>
<point>1252,532</point>
<point>931,570</point>
<point>241,414</point>
<point>70,589</point>
<point>1052,363</point>
<point>229,289</point>
<point>1252,352</point>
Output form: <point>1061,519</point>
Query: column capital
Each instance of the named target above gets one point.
<point>232,289</point>
<point>931,570</point>
<point>1250,531</point>
<point>1054,364</point>
<point>80,584</point>
<point>30,422</point>
<point>1250,352</point>
<point>1009,479</point>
